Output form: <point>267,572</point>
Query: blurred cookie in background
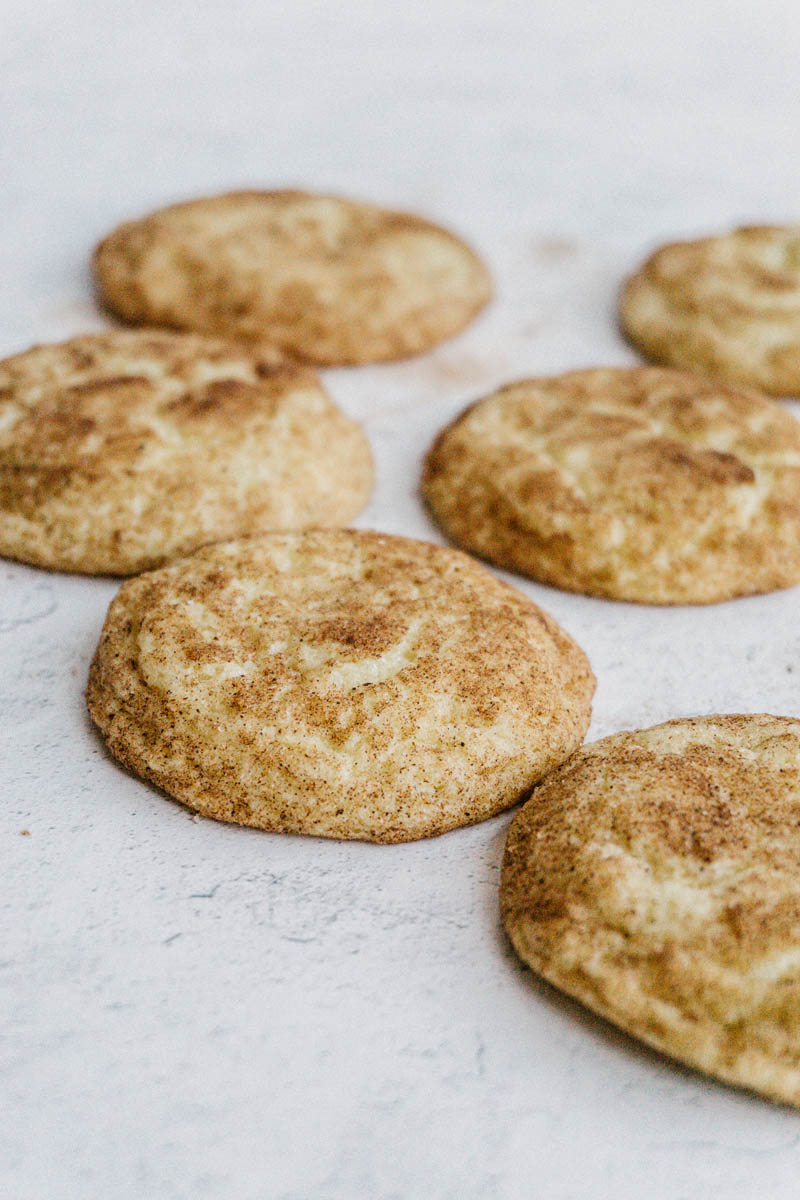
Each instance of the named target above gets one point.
<point>325,279</point>
<point>727,306</point>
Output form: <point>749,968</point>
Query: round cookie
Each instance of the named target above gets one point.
<point>639,484</point>
<point>338,683</point>
<point>328,280</point>
<point>726,306</point>
<point>654,878</point>
<point>121,450</point>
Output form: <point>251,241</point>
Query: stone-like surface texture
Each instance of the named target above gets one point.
<point>199,1012</point>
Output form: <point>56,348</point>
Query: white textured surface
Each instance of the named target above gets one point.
<point>195,1011</point>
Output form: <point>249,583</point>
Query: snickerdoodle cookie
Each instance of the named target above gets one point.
<point>640,484</point>
<point>727,306</point>
<point>654,877</point>
<point>338,683</point>
<point>325,279</point>
<point>121,450</point>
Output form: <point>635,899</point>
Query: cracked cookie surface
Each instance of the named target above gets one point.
<point>339,683</point>
<point>326,279</point>
<point>121,450</point>
<point>641,484</point>
<point>727,306</point>
<point>654,878</point>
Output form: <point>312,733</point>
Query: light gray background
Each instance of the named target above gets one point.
<point>195,1011</point>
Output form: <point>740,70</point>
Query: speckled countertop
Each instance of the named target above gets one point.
<point>207,1013</point>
